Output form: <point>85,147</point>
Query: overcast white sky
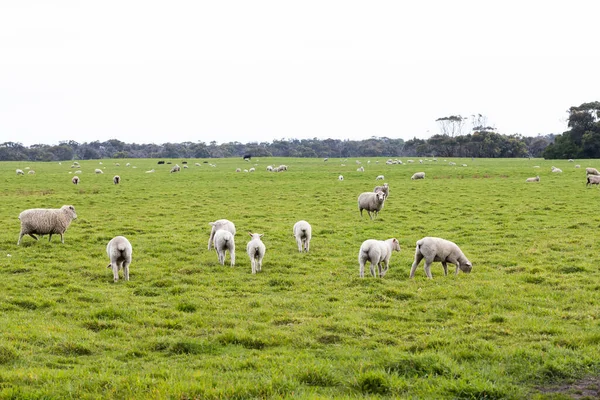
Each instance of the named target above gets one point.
<point>175,71</point>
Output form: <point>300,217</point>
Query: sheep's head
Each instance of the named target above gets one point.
<point>380,196</point>
<point>465,266</point>
<point>395,244</point>
<point>71,210</point>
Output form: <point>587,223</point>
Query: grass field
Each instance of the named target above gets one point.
<point>184,327</point>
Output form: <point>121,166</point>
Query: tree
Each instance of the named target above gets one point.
<point>452,125</point>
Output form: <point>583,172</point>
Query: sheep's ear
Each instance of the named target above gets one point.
<point>249,233</point>
<point>261,235</point>
<point>211,223</point>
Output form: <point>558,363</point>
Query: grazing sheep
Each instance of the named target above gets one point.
<point>577,166</point>
<point>303,233</point>
<point>418,175</point>
<point>536,166</point>
<point>380,178</point>
<point>410,161</point>
<point>451,163</point>
<point>536,179</point>
<point>464,165</point>
<point>593,180</point>
<point>556,170</point>
<point>46,221</point>
<point>245,170</point>
<point>372,202</point>
<point>20,172</point>
<point>176,168</point>
<point>256,251</point>
<point>238,170</point>
<point>377,252</point>
<point>591,171</point>
<point>197,164</point>
<point>128,164</point>
<point>116,179</point>
<point>361,169</point>
<point>185,166</point>
<point>117,165</point>
<point>437,249</point>
<point>224,242</point>
<point>100,163</point>
<point>340,178</point>
<point>98,171</point>
<point>119,252</point>
<point>75,180</point>
<point>252,169</point>
<point>570,160</point>
<point>269,168</point>
<point>220,224</point>
<point>31,172</point>
<point>325,159</point>
<point>385,189</point>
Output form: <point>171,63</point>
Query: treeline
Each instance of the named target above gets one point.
<point>583,139</point>
<point>476,144</point>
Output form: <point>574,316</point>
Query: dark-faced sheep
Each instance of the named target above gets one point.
<point>119,252</point>
<point>46,221</point>
<point>377,252</point>
<point>438,249</point>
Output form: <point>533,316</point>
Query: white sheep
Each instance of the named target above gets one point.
<point>385,189</point>
<point>46,221</point>
<point>119,252</point>
<point>303,233</point>
<point>75,180</point>
<point>372,202</point>
<point>98,171</point>
<point>224,242</point>
<point>78,171</point>
<point>451,163</point>
<point>593,180</point>
<point>252,169</point>
<point>197,164</point>
<point>557,170</point>
<point>116,179</point>
<point>410,161</point>
<point>379,178</point>
<point>577,166</point>
<point>31,172</point>
<point>256,251</point>
<point>150,171</point>
<point>185,166</point>
<point>591,171</point>
<point>20,172</point>
<point>536,179</point>
<point>377,252</point>
<point>219,224</point>
<point>438,249</point>
<point>269,168</point>
<point>340,178</point>
<point>418,175</point>
<point>464,165</point>
<point>361,169</point>
<point>238,170</point>
<point>176,168</point>
<point>128,164</point>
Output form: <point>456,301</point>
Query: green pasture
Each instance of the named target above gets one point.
<point>185,327</point>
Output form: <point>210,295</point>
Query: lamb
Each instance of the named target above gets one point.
<point>256,251</point>
<point>220,224</point>
<point>98,171</point>
<point>116,179</point>
<point>20,172</point>
<point>536,179</point>
<point>176,168</point>
<point>303,233</point>
<point>593,180</point>
<point>75,180</point>
<point>591,171</point>
<point>380,178</point>
<point>385,189</point>
<point>45,221</point>
<point>377,252</point>
<point>372,202</point>
<point>340,178</point>
<point>418,175</point>
<point>437,249</point>
<point>119,252</point>
<point>224,242</point>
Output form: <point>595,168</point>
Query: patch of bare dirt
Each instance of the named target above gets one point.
<point>587,388</point>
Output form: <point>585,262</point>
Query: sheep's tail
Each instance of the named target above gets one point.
<point>121,247</point>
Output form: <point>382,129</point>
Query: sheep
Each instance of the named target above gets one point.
<point>252,169</point>
<point>116,179</point>
<point>224,242</point>
<point>593,180</point>
<point>556,170</point>
<point>418,175</point>
<point>20,172</point>
<point>372,202</point>
<point>150,171</point>
<point>245,170</point>
<point>77,172</point>
<point>98,171</point>
<point>437,249</point>
<point>410,161</point>
<point>176,168</point>
<point>451,163</point>
<point>100,163</point>
<point>119,252</point>
<point>45,221</point>
<point>75,180</point>
<point>197,164</point>
<point>128,164</point>
<point>256,251</point>
<point>303,233</point>
<point>385,189</point>
<point>536,179</point>
<point>117,165</point>
<point>219,224</point>
<point>238,170</point>
<point>185,166</point>
<point>341,178</point>
<point>379,178</point>
<point>31,172</point>
<point>377,252</point>
<point>591,171</point>
<point>577,166</point>
<point>463,165</point>
<point>570,160</point>
<point>269,168</point>
<point>361,169</point>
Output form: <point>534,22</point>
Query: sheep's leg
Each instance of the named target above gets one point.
<point>126,270</point>
<point>62,239</point>
<point>21,236</point>
<point>115,269</point>
<point>221,258</point>
<point>33,236</point>
<point>361,270</point>
<point>299,243</point>
<point>371,216</point>
<point>379,268</point>
<point>373,269</point>
<point>456,272</point>
<point>418,258</point>
<point>259,264</point>
<point>232,256</point>
<point>210,238</point>
<point>428,269</point>
<point>387,265</point>
<point>445,268</point>
<point>50,237</point>
<point>307,245</point>
<point>253,264</point>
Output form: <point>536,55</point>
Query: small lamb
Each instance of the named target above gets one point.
<point>256,251</point>
<point>536,179</point>
<point>437,249</point>
<point>418,175</point>
<point>377,252</point>
<point>176,168</point>
<point>220,224</point>
<point>31,172</point>
<point>372,202</point>
<point>224,242</point>
<point>46,221</point>
<point>303,233</point>
<point>119,252</point>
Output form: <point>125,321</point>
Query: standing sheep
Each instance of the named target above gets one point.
<point>303,233</point>
<point>591,171</point>
<point>116,179</point>
<point>20,172</point>
<point>44,221</point>
<point>377,252</point>
<point>31,172</point>
<point>224,242</point>
<point>176,168</point>
<point>119,252</point>
<point>536,179</point>
<point>341,178</point>
<point>220,224</point>
<point>418,175</point>
<point>256,251</point>
<point>75,180</point>
<point>385,189</point>
<point>98,171</point>
<point>372,202</point>
<point>593,180</point>
<point>437,249</point>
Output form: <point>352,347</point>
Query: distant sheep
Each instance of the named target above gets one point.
<point>577,166</point>
<point>379,178</point>
<point>340,178</point>
<point>418,175</point>
<point>46,221</point>
<point>536,179</point>
<point>361,169</point>
<point>20,172</point>
<point>175,168</point>
<point>119,252</point>
<point>220,224</point>
<point>75,180</point>
<point>256,251</point>
<point>303,233</point>
<point>150,171</point>
<point>593,180</point>
<point>451,163</point>
<point>377,252</point>
<point>31,172</point>
<point>556,170</point>
<point>98,171</point>
<point>252,169</point>
<point>437,249</point>
<point>224,242</point>
<point>238,170</point>
<point>116,179</point>
<point>197,164</point>
<point>269,168</point>
<point>385,189</point>
<point>372,202</point>
<point>185,166</point>
<point>591,171</point>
